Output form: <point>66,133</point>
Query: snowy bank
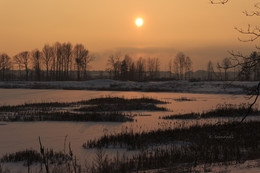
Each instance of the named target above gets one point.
<point>210,87</point>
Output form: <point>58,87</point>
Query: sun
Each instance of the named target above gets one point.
<point>139,22</point>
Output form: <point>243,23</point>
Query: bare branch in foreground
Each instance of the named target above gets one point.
<point>218,1</point>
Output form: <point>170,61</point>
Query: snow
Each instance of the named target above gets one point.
<point>20,135</point>
<point>17,136</point>
<point>213,87</point>
<point>249,166</point>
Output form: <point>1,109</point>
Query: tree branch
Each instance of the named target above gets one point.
<point>218,1</point>
<point>253,33</point>
<point>257,92</point>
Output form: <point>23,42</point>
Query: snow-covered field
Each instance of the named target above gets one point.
<point>214,87</point>
<point>250,166</point>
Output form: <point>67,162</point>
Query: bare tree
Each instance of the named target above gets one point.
<point>246,63</point>
<point>256,68</point>
<point>5,64</point>
<point>23,60</point>
<point>210,70</point>
<point>125,67</point>
<point>113,65</point>
<point>176,69</point>
<point>57,61</point>
<point>157,67</point>
<point>246,70</point>
<point>140,68</point>
<point>253,33</point>
<point>67,50</point>
<point>151,67</point>
<point>170,68</point>
<point>226,64</point>
<point>47,56</point>
<point>37,61</point>
<point>182,65</point>
<point>82,59</point>
<point>132,71</point>
<point>123,70</point>
<point>86,62</point>
<point>188,67</point>
<point>219,71</point>
<point>179,62</point>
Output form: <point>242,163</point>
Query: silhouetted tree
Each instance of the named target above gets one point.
<point>246,64</point>
<point>240,60</point>
<point>182,64</point>
<point>36,61</point>
<point>179,62</point>
<point>170,66</point>
<point>157,68</point>
<point>256,68</point>
<point>226,64</point>
<point>188,67</point>
<point>210,70</point>
<point>140,69</point>
<point>153,67</point>
<point>253,33</point>
<point>87,59</point>
<point>47,56</point>
<point>124,70</point>
<point>23,60</point>
<point>57,60</point>
<point>113,65</point>
<point>176,69</point>
<point>81,59</point>
<point>5,64</point>
<point>246,70</point>
<point>66,59</point>
<point>132,71</point>
<point>219,71</point>
<point>249,66</point>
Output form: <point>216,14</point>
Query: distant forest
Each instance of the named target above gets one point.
<point>63,62</point>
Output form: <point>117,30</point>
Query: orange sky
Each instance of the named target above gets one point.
<point>201,30</point>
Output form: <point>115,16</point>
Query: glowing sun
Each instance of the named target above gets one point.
<point>139,22</point>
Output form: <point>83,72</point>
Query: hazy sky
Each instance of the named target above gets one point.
<point>201,30</point>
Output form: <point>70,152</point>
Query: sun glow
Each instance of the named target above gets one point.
<point>139,22</point>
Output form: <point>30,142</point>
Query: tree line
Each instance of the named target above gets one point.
<point>63,61</point>
<point>125,68</point>
<point>60,61</point>
<point>242,67</point>
<point>181,67</point>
